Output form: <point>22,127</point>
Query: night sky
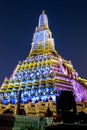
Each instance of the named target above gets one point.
<point>67,22</point>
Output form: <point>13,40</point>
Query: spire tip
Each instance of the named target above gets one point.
<point>43,11</point>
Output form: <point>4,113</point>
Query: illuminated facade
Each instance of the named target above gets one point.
<point>40,76</point>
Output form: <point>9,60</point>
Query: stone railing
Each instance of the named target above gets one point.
<point>18,122</point>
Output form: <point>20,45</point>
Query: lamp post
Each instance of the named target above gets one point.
<point>18,102</point>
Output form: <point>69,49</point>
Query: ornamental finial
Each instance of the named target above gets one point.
<point>43,11</point>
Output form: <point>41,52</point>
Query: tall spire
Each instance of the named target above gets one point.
<point>43,20</point>
<point>42,37</point>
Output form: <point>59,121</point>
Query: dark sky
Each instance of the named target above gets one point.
<point>67,21</point>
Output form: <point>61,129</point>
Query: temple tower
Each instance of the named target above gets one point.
<point>41,76</point>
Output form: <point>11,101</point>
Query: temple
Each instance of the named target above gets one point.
<point>40,77</point>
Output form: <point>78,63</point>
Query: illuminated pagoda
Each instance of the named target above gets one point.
<point>40,76</point>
